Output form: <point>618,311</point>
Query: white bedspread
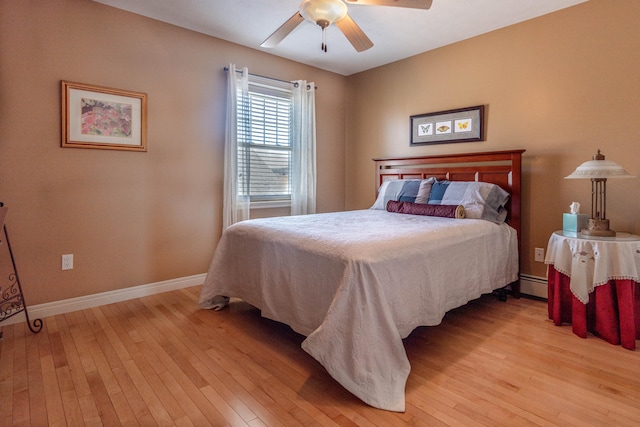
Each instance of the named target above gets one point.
<point>356,283</point>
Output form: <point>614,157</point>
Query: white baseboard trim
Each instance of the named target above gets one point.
<point>533,285</point>
<point>530,285</point>
<point>89,301</point>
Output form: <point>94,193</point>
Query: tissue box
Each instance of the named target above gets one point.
<point>574,222</point>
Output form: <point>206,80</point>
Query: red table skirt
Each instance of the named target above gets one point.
<point>612,313</point>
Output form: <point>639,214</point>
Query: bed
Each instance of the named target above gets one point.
<point>357,283</point>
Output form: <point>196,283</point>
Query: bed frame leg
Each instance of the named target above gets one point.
<point>515,288</point>
<point>501,294</point>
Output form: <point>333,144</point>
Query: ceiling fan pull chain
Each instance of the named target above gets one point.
<point>324,39</point>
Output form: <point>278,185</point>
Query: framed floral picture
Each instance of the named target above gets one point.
<point>103,118</point>
<point>461,125</point>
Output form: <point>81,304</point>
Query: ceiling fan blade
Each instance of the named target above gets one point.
<point>354,34</point>
<point>284,30</point>
<point>413,4</point>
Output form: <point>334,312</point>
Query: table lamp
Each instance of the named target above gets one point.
<point>598,170</point>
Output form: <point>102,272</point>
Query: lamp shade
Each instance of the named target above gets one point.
<point>323,11</point>
<point>599,168</point>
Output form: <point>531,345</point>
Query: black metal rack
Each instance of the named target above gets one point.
<point>11,298</point>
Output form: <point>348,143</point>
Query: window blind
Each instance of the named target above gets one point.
<point>264,136</point>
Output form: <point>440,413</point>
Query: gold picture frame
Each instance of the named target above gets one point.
<point>103,118</point>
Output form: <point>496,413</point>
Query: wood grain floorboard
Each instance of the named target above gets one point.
<point>161,360</point>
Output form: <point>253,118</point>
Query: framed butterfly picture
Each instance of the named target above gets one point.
<point>442,127</point>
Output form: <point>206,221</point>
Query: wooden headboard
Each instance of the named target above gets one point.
<point>503,168</point>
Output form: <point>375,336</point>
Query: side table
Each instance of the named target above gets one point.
<point>593,284</point>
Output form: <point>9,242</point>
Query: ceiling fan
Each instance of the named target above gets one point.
<point>327,12</point>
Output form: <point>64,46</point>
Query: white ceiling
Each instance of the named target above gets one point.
<point>397,33</point>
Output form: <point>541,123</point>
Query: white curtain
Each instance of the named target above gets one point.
<point>236,203</point>
<point>303,156</point>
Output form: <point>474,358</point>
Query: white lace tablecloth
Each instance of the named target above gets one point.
<point>593,261</point>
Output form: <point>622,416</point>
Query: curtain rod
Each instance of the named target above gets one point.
<point>265,77</point>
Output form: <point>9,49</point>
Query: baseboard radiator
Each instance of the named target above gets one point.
<point>533,285</point>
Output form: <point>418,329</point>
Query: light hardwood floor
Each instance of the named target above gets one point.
<point>160,360</point>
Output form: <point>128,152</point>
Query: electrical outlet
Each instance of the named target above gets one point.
<point>67,262</point>
<point>539,257</point>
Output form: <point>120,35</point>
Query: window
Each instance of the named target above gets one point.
<point>264,142</point>
<point>269,146</point>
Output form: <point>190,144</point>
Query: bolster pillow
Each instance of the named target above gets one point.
<point>445,211</point>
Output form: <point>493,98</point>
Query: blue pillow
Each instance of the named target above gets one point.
<point>437,192</point>
<point>401,190</point>
<point>481,200</point>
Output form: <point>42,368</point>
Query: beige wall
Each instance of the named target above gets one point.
<point>129,218</point>
<point>560,86</point>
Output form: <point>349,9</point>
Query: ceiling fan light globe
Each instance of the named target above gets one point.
<point>323,11</point>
